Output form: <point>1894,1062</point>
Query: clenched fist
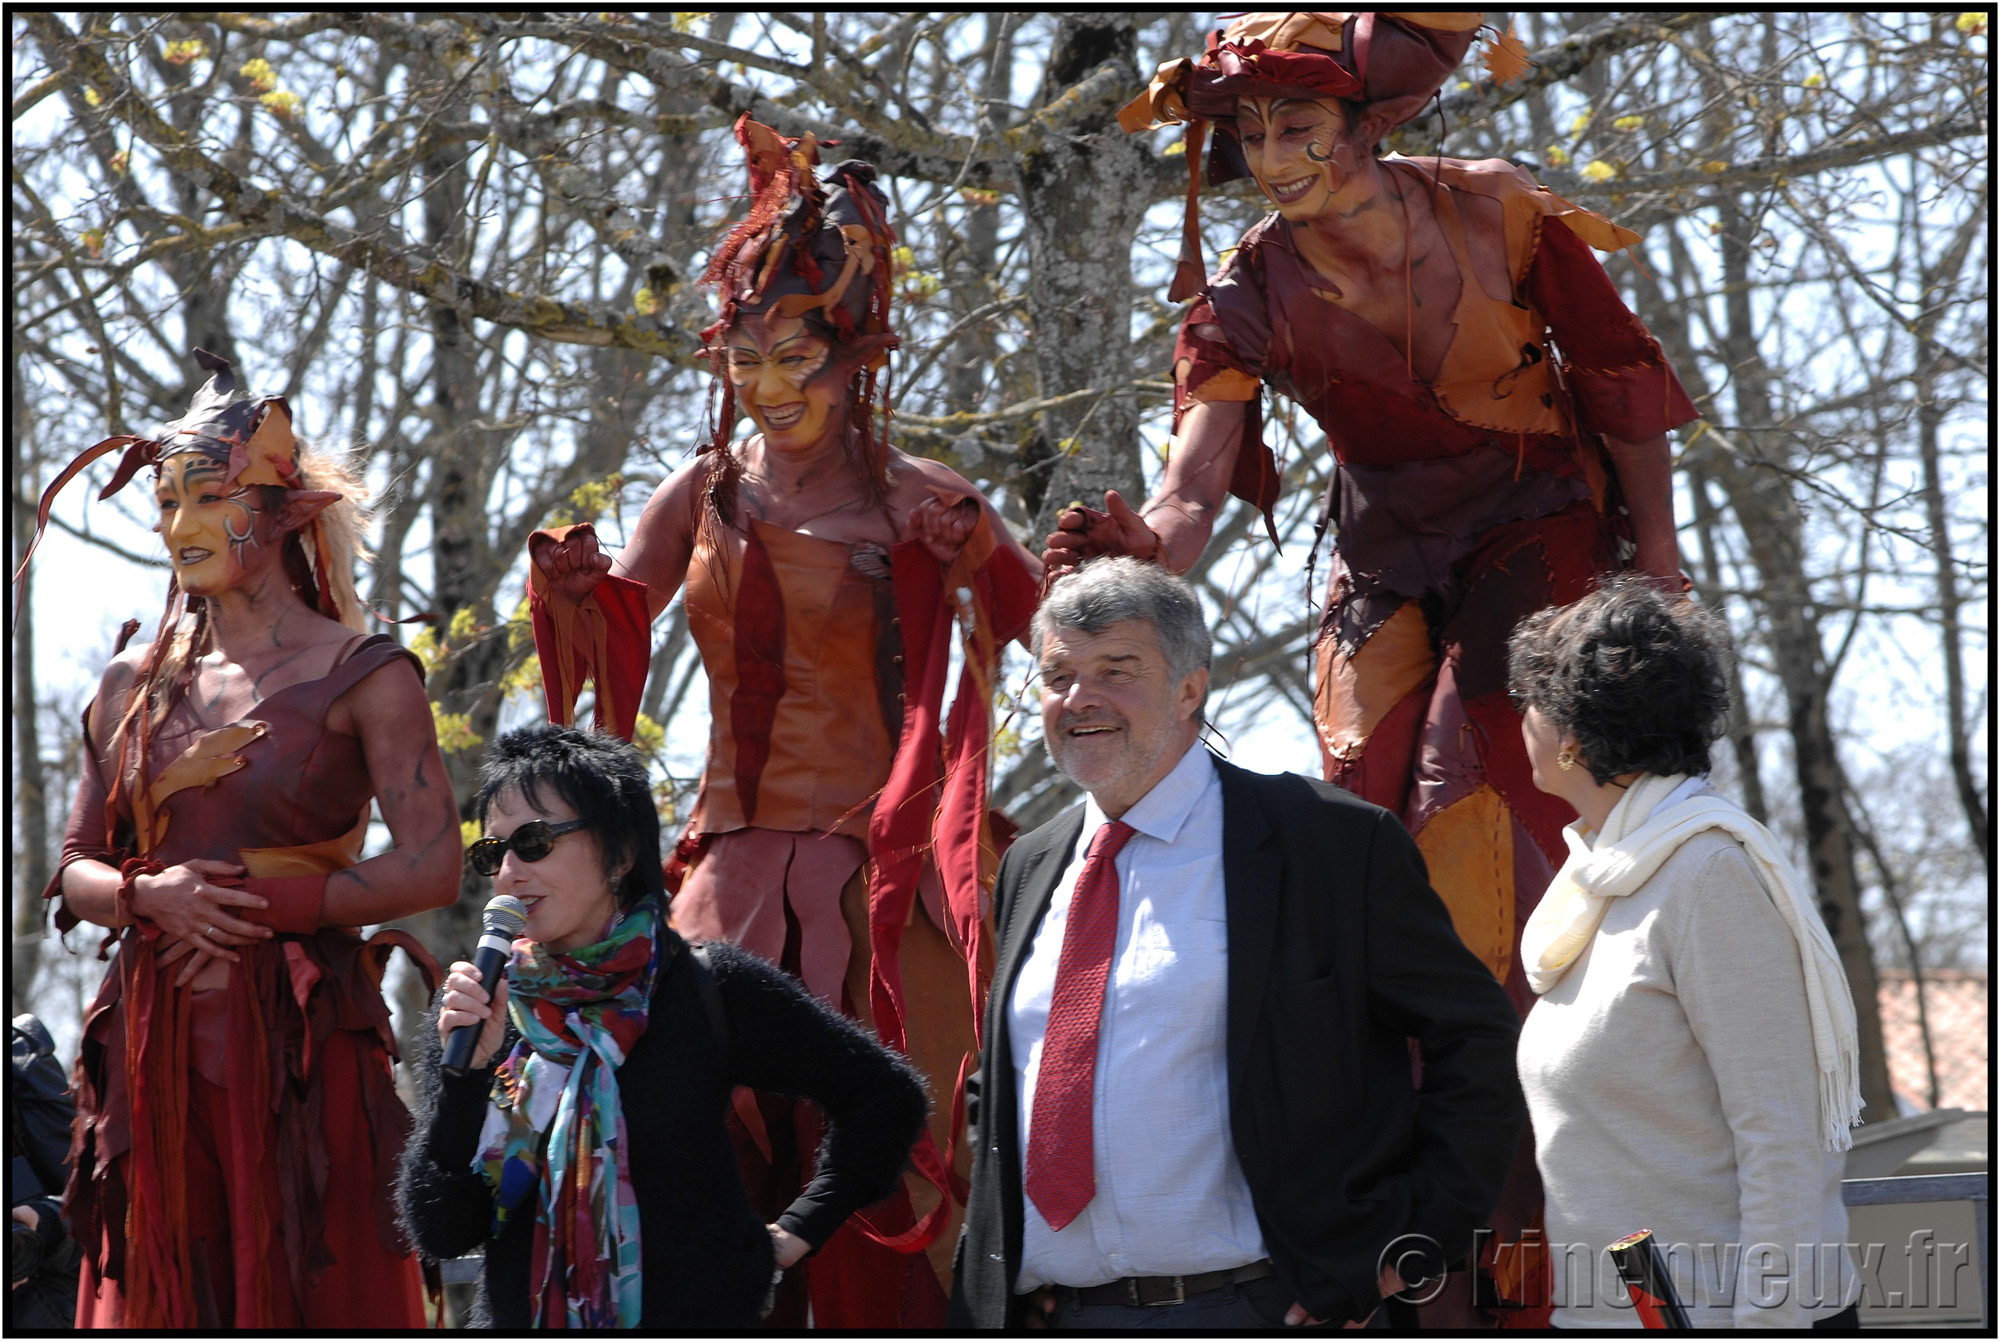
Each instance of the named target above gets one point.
<point>1084,533</point>
<point>574,565</point>
<point>944,522</point>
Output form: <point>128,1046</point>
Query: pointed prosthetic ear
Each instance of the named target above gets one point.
<point>301,506</point>
<point>1375,123</point>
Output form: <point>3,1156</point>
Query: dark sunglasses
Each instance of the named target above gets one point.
<point>531,842</point>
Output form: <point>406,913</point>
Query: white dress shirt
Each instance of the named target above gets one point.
<point>1171,1199</point>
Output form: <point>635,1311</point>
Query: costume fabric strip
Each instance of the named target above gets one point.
<point>605,638</point>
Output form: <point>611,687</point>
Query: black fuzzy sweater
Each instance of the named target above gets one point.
<point>706,1257</point>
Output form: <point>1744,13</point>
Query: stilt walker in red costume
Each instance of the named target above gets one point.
<point>237,1120</point>
<point>842,829</point>
<point>1497,418</point>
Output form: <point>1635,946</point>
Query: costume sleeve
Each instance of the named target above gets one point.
<point>1618,377</point>
<point>606,637</point>
<point>783,1040</point>
<point>1228,329</point>
<point>444,1202</point>
<point>1209,367</point>
<point>1214,368</point>
<point>1425,983</point>
<point>1738,978</point>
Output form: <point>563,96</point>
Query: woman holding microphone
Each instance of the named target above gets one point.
<point>585,1148</point>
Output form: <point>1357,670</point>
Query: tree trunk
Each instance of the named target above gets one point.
<point>1742,730</point>
<point>1773,530</point>
<point>31,806</point>
<point>1082,198</point>
<point>1892,894</point>
<point>1667,320</point>
<point>1930,416</point>
<point>466,681</point>
<point>204,278</point>
<point>971,357</point>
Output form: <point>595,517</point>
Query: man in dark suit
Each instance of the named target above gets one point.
<point>1196,1090</point>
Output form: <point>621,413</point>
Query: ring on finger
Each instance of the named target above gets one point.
<point>210,933</point>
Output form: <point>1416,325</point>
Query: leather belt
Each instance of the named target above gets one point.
<point>1158,1291</point>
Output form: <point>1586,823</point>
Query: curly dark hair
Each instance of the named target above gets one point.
<point>601,778</point>
<point>1639,677</point>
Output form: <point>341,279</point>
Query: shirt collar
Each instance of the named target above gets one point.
<point>1161,812</point>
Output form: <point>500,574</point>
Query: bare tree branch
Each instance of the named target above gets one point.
<point>274,213</point>
<point>1552,64</point>
<point>1774,168</point>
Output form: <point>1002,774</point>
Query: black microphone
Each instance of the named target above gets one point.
<point>504,919</point>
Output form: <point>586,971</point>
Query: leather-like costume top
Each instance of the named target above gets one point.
<point>1507,428</point>
<point>791,634</point>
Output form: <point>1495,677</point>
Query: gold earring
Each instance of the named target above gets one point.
<point>1566,760</point>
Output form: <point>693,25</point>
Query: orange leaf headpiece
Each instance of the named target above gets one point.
<point>807,249</point>
<point>815,251</point>
<point>253,435</point>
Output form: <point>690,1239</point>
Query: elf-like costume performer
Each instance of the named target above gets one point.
<point>237,1121</point>
<point>1497,419</point>
<point>842,829</point>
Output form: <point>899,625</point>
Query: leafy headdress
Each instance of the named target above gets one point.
<point>814,250</point>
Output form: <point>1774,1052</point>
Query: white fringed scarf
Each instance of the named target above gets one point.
<point>1647,826</point>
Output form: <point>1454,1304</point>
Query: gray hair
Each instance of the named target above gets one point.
<point>1110,591</point>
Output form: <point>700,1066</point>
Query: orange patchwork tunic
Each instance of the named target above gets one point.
<point>1459,505</point>
<point>800,733</point>
<point>873,849</point>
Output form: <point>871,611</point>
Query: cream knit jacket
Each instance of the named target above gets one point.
<point>1671,1085</point>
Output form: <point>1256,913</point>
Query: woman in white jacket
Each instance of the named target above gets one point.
<point>1690,1064</point>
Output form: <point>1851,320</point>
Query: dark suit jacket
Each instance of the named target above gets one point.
<point>1339,952</point>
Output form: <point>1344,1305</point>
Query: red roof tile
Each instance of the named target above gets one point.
<point>1957,1005</point>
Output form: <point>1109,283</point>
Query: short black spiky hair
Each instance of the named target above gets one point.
<point>1639,677</point>
<point>601,778</point>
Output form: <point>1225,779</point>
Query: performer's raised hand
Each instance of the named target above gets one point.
<point>465,1001</point>
<point>944,522</point>
<point>1084,533</point>
<point>574,565</point>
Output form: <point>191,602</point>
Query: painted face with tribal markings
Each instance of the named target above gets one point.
<point>785,378</point>
<point>214,536</point>
<point>1298,151</point>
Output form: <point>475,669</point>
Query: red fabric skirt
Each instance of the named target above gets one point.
<point>363,1286</point>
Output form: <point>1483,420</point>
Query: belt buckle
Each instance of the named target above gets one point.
<point>1180,1294</point>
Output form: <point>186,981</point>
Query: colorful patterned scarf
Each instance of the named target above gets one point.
<point>556,1122</point>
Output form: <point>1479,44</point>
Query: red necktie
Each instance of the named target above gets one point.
<point>1059,1176</point>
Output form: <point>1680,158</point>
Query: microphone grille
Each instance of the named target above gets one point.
<point>506,915</point>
